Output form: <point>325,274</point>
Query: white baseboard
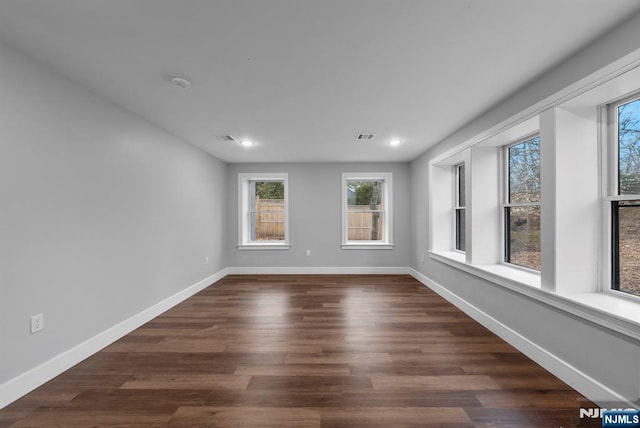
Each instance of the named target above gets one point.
<point>30,380</point>
<point>311,270</point>
<point>580,381</point>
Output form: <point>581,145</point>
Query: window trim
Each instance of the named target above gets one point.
<point>504,200</point>
<point>387,219</point>
<point>244,206</point>
<point>482,159</point>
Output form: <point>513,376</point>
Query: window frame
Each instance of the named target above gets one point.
<point>244,209</point>
<point>611,197</point>
<point>505,203</point>
<point>457,207</point>
<point>386,242</point>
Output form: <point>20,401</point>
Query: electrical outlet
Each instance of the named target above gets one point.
<point>308,252</point>
<point>206,260</point>
<point>37,323</point>
<point>423,257</point>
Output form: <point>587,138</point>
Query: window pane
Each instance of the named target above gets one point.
<point>365,193</point>
<point>364,224</point>
<point>629,148</point>
<point>460,229</point>
<point>462,196</point>
<point>523,236</point>
<point>364,210</point>
<point>268,225</point>
<point>267,211</point>
<point>627,266</point>
<point>273,190</point>
<point>524,171</point>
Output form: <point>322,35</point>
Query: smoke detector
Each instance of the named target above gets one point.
<point>180,81</point>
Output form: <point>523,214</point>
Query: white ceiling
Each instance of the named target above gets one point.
<point>302,77</point>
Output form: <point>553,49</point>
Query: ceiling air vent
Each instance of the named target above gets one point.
<point>227,138</point>
<point>364,137</point>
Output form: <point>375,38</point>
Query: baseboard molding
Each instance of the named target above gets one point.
<point>580,381</point>
<point>312,270</point>
<point>30,380</point>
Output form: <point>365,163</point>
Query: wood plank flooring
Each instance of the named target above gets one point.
<point>305,351</point>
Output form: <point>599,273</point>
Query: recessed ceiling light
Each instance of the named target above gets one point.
<point>394,142</point>
<point>247,143</point>
<point>180,81</point>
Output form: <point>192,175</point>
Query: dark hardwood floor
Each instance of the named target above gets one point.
<point>305,351</point>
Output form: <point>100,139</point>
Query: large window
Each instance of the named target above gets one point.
<point>625,195</point>
<point>459,209</point>
<point>552,202</point>
<point>366,210</point>
<point>522,204</point>
<point>263,208</point>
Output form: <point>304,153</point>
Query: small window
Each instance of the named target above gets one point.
<point>522,204</point>
<point>459,208</point>
<point>366,213</point>
<point>263,208</point>
<point>625,203</point>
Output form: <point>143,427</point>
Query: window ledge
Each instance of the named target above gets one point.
<point>264,246</point>
<point>499,273</point>
<point>367,246</point>
<point>615,313</point>
<point>618,313</point>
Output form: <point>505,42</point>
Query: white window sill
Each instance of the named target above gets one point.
<point>615,313</point>
<point>264,246</point>
<point>499,273</point>
<point>453,258</point>
<point>367,246</point>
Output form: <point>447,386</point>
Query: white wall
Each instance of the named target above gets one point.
<point>608,358</point>
<point>102,215</point>
<point>315,218</point>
